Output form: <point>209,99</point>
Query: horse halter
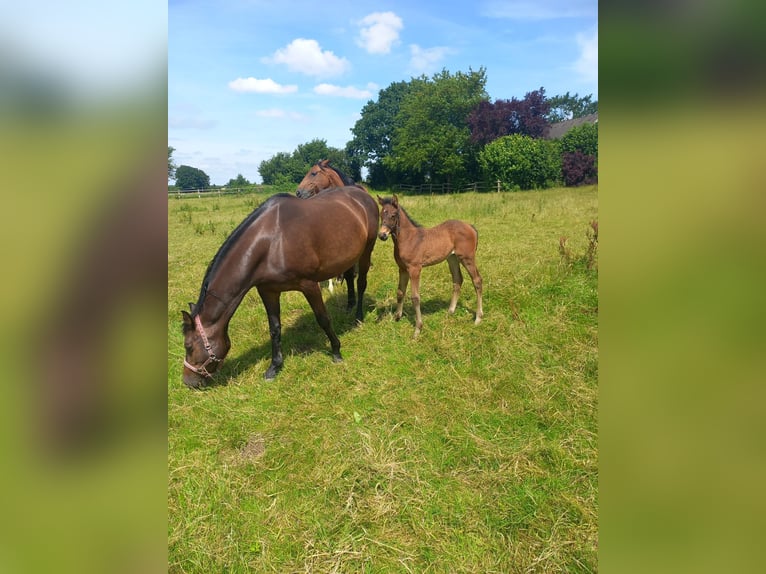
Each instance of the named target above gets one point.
<point>394,229</point>
<point>211,358</point>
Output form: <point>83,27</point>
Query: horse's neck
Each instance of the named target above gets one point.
<point>218,307</point>
<point>405,223</point>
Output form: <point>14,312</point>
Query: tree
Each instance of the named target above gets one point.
<point>239,181</point>
<point>583,138</point>
<point>373,132</point>
<point>171,163</point>
<point>191,178</point>
<point>566,107</point>
<point>281,168</point>
<point>489,121</point>
<point>522,162</point>
<point>431,140</point>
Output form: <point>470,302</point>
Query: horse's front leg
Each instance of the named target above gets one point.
<point>414,273</point>
<point>400,292</point>
<point>271,303</point>
<point>313,294</point>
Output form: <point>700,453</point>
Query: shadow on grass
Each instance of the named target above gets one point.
<point>303,337</point>
<point>430,307</point>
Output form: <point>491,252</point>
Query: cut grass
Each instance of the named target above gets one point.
<point>470,449</point>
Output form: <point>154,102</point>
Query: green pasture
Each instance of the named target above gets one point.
<point>470,449</point>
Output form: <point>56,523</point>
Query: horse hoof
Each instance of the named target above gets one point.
<point>337,359</point>
<point>271,373</point>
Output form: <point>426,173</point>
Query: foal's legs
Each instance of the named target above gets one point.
<point>414,273</point>
<point>401,292</point>
<point>457,280</point>
<point>313,294</point>
<point>271,302</point>
<point>470,265</point>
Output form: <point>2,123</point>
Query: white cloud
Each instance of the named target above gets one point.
<point>267,86</point>
<point>540,9</point>
<point>380,31</point>
<point>347,92</point>
<point>426,60</point>
<point>306,56</point>
<point>587,64</point>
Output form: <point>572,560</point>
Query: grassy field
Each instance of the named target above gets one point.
<point>470,449</point>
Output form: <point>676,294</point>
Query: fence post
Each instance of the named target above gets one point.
<point>498,186</point>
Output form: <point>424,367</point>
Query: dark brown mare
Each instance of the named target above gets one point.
<point>322,176</point>
<point>286,244</point>
<point>416,247</point>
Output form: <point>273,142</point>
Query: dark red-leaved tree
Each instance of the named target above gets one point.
<point>488,121</point>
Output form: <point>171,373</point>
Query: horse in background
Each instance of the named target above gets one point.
<point>286,244</point>
<point>322,176</point>
<point>416,247</point>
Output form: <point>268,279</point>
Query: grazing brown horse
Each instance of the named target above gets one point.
<point>416,247</point>
<point>322,176</point>
<point>286,244</point>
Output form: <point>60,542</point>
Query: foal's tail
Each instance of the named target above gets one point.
<point>477,234</point>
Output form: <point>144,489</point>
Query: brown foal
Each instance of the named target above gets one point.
<point>416,247</point>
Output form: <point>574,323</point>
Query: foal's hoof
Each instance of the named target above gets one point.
<point>337,359</point>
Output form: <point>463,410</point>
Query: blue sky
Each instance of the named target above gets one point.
<point>250,78</point>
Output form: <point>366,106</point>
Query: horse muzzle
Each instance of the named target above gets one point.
<point>384,233</point>
<point>304,193</point>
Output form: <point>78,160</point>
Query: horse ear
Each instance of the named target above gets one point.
<point>395,201</point>
<point>192,308</point>
<point>188,322</point>
<point>324,162</point>
<point>380,200</point>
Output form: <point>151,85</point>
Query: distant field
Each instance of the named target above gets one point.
<point>470,449</point>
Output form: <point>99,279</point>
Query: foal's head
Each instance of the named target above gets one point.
<point>389,217</point>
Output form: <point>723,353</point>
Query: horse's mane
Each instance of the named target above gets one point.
<point>344,178</point>
<point>390,201</point>
<point>227,245</point>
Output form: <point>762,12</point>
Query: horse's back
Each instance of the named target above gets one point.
<point>321,237</point>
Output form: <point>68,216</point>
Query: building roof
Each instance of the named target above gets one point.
<point>555,131</point>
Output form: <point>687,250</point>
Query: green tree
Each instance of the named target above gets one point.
<point>171,163</point>
<point>281,168</point>
<point>583,138</point>
<point>191,178</point>
<point>522,162</point>
<point>431,139</point>
<point>239,181</point>
<point>373,132</point>
<point>567,107</point>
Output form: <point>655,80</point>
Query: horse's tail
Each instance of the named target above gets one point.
<point>477,234</point>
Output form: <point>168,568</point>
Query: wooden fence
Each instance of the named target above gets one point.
<point>422,189</point>
<point>441,188</point>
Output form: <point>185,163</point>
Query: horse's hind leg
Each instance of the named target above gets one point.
<point>271,303</point>
<point>457,280</point>
<point>470,265</point>
<point>348,276</point>
<point>363,266</point>
<point>313,295</point>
